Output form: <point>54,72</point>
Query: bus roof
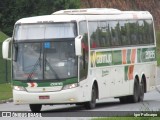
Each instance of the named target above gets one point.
<point>89,11</point>
<point>89,14</point>
<point>50,18</point>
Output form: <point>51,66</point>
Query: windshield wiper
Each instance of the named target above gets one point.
<point>35,66</point>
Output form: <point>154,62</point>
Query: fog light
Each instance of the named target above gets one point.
<point>70,86</point>
<point>19,88</point>
<point>71,99</point>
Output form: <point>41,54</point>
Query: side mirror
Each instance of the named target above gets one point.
<point>78,45</point>
<point>6,49</point>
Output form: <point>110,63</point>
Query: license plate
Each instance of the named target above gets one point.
<point>44,97</point>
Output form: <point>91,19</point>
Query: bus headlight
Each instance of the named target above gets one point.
<point>19,88</point>
<point>70,86</point>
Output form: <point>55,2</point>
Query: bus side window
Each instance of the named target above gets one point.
<point>133,25</point>
<point>148,25</point>
<point>141,36</point>
<point>94,36</point>
<point>124,33</point>
<point>114,30</point>
<point>84,57</point>
<point>104,34</point>
<point>128,33</point>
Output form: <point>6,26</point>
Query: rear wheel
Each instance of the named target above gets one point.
<point>35,107</point>
<point>141,94</point>
<point>92,104</point>
<point>136,91</point>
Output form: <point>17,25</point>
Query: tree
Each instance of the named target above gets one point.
<point>12,10</point>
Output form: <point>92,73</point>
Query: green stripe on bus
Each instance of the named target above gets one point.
<point>139,55</point>
<point>126,72</point>
<point>46,84</point>
<point>108,58</point>
<point>117,57</point>
<point>148,54</point>
<point>128,56</point>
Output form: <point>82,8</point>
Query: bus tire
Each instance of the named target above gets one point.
<point>92,104</point>
<point>123,99</point>
<point>141,93</point>
<point>135,97</point>
<point>79,104</point>
<point>35,107</point>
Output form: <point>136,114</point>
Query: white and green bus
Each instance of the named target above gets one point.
<point>78,56</point>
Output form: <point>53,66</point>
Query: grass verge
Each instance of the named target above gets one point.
<point>158,47</point>
<point>3,62</point>
<point>5,91</point>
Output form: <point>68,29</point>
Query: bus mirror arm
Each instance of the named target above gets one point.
<point>78,45</point>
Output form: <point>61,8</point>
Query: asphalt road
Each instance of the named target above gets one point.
<point>107,106</point>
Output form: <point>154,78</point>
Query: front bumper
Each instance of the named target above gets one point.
<point>73,95</point>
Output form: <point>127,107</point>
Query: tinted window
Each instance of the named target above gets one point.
<point>114,30</point>
<point>84,58</point>
<point>133,27</point>
<point>104,34</point>
<point>141,34</point>
<point>121,33</point>
<point>148,27</point>
<point>93,31</point>
<point>124,32</point>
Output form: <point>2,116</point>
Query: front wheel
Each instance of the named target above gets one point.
<point>35,107</point>
<point>92,104</point>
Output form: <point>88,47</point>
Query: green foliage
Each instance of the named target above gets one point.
<point>3,36</point>
<point>3,62</point>
<point>16,9</point>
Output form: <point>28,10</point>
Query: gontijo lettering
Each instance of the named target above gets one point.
<point>104,58</point>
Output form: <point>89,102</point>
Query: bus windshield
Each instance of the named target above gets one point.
<point>45,31</point>
<point>44,58</point>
